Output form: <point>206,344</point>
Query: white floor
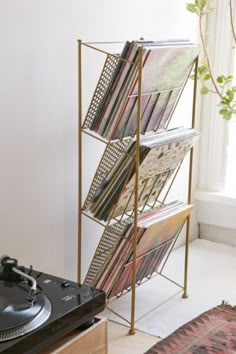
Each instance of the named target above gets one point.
<point>212,278</point>
<point>119,341</point>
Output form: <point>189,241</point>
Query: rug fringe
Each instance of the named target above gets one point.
<point>226,303</point>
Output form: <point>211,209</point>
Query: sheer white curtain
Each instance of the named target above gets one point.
<point>215,196</point>
<point>215,133</point>
<point>230,178</point>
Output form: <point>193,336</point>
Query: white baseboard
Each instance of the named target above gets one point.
<point>218,234</point>
<point>216,209</point>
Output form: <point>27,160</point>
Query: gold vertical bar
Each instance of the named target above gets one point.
<point>132,330</point>
<point>185,294</point>
<point>79,158</point>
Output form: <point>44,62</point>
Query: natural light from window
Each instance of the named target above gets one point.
<point>230,181</point>
<point>230,177</point>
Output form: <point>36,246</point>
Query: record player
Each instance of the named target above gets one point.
<point>37,309</point>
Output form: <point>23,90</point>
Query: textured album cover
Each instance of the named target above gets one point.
<point>115,240</point>
<point>165,70</point>
<point>111,267</point>
<point>145,266</point>
<point>160,155</point>
<point>153,245</point>
<point>166,67</point>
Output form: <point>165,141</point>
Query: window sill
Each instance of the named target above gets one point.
<point>216,209</point>
<point>221,198</point>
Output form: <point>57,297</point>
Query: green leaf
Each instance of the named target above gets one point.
<point>223,111</point>
<point>230,96</point>
<point>227,116</point>
<point>234,88</point>
<point>224,100</point>
<point>200,3</point>
<point>203,69</point>
<point>229,79</point>
<point>207,77</point>
<point>193,8</point>
<point>220,79</point>
<point>204,90</point>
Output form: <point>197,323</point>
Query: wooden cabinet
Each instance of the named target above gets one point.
<point>92,340</point>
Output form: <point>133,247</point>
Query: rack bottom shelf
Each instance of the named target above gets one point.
<point>149,297</point>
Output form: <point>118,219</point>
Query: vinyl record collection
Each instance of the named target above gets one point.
<point>112,115</point>
<point>166,67</point>
<point>160,155</point>
<point>111,268</point>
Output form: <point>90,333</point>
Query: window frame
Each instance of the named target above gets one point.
<point>212,157</point>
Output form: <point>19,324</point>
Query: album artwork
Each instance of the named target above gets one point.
<point>160,155</point>
<point>166,67</point>
<point>111,267</point>
<point>154,241</point>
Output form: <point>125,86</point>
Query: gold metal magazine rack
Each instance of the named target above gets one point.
<point>115,225</point>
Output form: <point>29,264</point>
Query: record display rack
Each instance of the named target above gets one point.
<point>106,165</point>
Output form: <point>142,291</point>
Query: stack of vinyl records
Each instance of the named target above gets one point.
<point>112,114</point>
<point>160,155</point>
<point>166,67</point>
<point>111,267</point>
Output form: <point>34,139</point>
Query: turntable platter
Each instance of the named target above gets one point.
<point>17,315</point>
<point>3,304</point>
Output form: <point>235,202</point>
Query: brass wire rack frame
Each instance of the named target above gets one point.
<point>112,150</point>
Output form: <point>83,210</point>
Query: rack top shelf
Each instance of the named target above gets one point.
<point>166,66</point>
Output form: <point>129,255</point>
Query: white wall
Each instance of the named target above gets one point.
<point>38,112</point>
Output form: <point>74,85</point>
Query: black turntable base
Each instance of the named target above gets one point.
<point>36,309</point>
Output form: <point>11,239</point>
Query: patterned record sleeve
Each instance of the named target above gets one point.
<point>155,171</point>
<point>149,189</point>
<point>165,157</point>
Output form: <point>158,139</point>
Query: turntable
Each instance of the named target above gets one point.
<point>36,308</point>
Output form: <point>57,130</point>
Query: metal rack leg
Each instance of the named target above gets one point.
<point>185,294</point>
<point>79,158</point>
<point>132,330</point>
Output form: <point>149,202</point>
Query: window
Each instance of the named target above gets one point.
<point>216,166</point>
<point>216,194</point>
<point>230,178</point>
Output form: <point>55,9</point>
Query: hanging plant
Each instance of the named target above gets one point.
<point>221,85</point>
